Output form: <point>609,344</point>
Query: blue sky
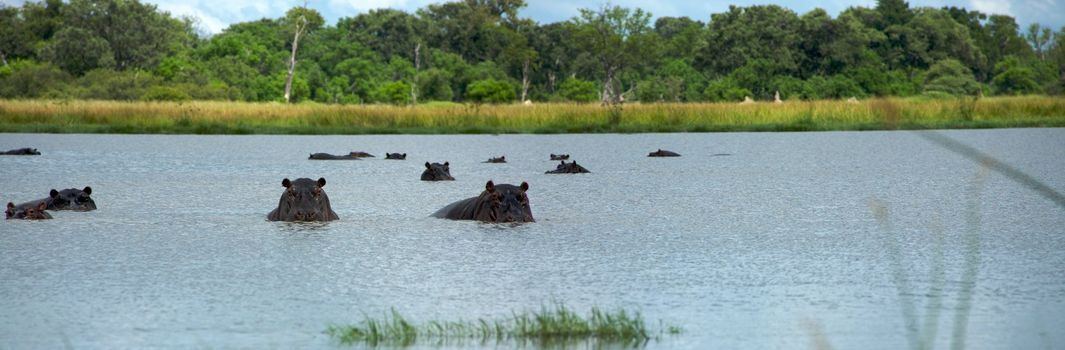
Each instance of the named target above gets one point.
<point>215,15</point>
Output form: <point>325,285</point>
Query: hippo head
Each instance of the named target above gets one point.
<point>303,200</point>
<point>437,172</point>
<point>71,199</point>
<point>35,212</point>
<point>506,203</point>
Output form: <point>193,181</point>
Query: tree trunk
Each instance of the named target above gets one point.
<point>524,80</point>
<point>3,57</point>
<point>609,95</point>
<point>551,81</point>
<point>301,24</point>
<point>414,79</point>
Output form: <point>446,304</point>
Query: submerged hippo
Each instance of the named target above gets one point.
<point>437,172</point>
<point>396,156</point>
<point>361,155</point>
<point>303,200</point>
<point>661,153</point>
<point>327,156</point>
<point>559,156</point>
<point>68,199</point>
<point>501,159</point>
<point>33,212</point>
<point>568,168</point>
<point>498,203</point>
<point>22,152</point>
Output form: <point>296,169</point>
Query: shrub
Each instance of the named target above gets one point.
<point>578,90</point>
<point>490,91</point>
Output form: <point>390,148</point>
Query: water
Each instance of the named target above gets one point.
<point>775,245</point>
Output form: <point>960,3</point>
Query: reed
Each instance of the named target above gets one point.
<point>209,117</point>
<point>548,325</point>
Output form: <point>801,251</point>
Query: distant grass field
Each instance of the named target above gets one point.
<point>48,116</point>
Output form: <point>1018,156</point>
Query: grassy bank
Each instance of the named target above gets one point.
<point>448,118</point>
<point>557,324</point>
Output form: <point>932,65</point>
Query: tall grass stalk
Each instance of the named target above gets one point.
<point>207,117</point>
<point>548,325</point>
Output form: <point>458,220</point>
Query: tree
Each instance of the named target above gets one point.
<point>490,91</point>
<point>951,77</point>
<point>617,37</point>
<point>77,51</point>
<point>751,33</point>
<point>1013,78</point>
<point>138,35</point>
<point>300,19</point>
<point>1039,37</point>
<point>893,13</point>
<point>577,90</point>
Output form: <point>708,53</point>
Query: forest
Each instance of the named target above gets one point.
<point>482,51</point>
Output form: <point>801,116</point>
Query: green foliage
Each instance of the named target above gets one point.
<point>889,50</point>
<point>726,89</point>
<point>108,84</point>
<point>165,93</point>
<point>1013,78</point>
<point>29,79</point>
<point>396,92</point>
<point>950,77</point>
<point>490,91</point>
<point>577,90</point>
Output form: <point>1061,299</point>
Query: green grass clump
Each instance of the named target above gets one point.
<point>556,324</point>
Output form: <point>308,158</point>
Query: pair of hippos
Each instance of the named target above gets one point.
<point>355,156</point>
<point>305,200</point>
<point>68,199</point>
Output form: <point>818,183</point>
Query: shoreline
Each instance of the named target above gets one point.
<point>242,118</point>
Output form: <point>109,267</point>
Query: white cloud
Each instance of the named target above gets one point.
<point>992,6</point>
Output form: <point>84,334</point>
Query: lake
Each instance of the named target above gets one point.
<point>870,240</point>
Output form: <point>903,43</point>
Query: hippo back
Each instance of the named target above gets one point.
<point>437,172</point>
<point>303,200</point>
<point>497,203</point>
<point>661,153</point>
<point>22,152</point>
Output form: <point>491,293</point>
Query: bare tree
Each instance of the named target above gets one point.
<point>414,78</point>
<point>301,25</point>
<point>524,80</point>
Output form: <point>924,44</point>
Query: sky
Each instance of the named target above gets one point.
<point>215,15</point>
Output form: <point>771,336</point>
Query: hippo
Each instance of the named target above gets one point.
<point>661,153</point>
<point>361,155</point>
<point>22,152</point>
<point>559,156</point>
<point>568,168</point>
<point>327,156</point>
<point>68,199</point>
<point>303,200</point>
<point>437,172</point>
<point>396,156</point>
<point>32,212</point>
<point>498,203</point>
<point>501,159</point>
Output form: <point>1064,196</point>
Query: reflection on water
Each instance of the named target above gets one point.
<point>773,246</point>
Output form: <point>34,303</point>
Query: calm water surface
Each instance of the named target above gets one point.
<point>776,245</point>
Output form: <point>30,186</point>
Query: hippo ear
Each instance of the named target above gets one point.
<point>286,183</point>
<point>524,186</point>
<point>447,164</point>
<point>53,193</point>
<point>42,206</point>
<point>503,157</point>
<point>10,205</point>
<point>563,162</point>
<point>87,190</point>
<point>404,155</point>
<point>427,165</point>
<point>490,186</point>
<point>321,182</point>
